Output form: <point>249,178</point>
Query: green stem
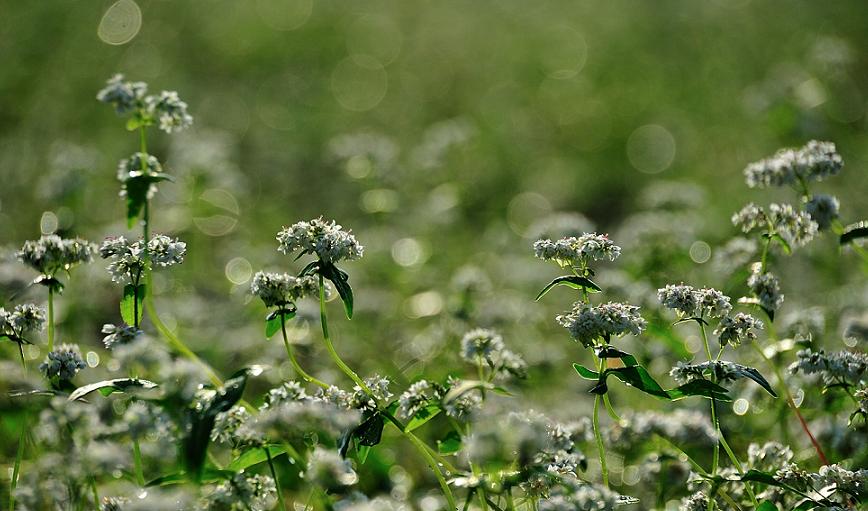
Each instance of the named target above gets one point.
<point>16,470</point>
<point>714,421</point>
<point>298,369</point>
<point>276,480</point>
<point>447,492</point>
<point>601,448</point>
<point>328,342</point>
<point>50,319</point>
<point>95,492</point>
<point>137,458</point>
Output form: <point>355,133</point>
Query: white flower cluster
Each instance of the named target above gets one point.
<point>137,165</point>
<point>123,96</point>
<point>282,288</point>
<point>575,494</point>
<point>243,492</point>
<point>769,456</point>
<point>849,366</point>
<point>233,427</point>
<point>823,209</point>
<point>324,238</point>
<point>766,287</point>
<point>850,482</point>
<point>63,363</point>
<point>733,329</point>
<point>463,406</point>
<point>50,254</point>
<point>588,323</point>
<point>130,260</point>
<point>484,345</point>
<point>722,370</point>
<point>117,335</point>
<point>682,427</point>
<point>290,414</point>
<point>127,97</point>
<point>21,320</point>
<point>416,397</point>
<point>796,227</point>
<point>577,251</point>
<point>813,162</point>
<point>688,301</point>
<point>328,470</point>
<point>169,110</point>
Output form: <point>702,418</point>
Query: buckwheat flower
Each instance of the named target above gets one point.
<point>681,298</point>
<point>119,334</point>
<point>379,387</point>
<point>296,420</point>
<point>696,502</point>
<point>823,209</point>
<point>851,482</point>
<point>123,96</point>
<point>227,423</point>
<point>820,160</point>
<point>574,495</point>
<point>22,320</point>
<point>282,288</point>
<point>682,427</point>
<point>797,227</point>
<point>324,238</point>
<point>137,165</point>
<point>127,259</point>
<point>481,344</point>
<point>849,366</point>
<point>769,456</point>
<point>329,471</point>
<point>588,323</point>
<point>509,363</point>
<point>733,329</point>
<point>415,398</point>
<point>713,303</point>
<point>287,392</point>
<point>576,251</point>
<point>63,363</point>
<point>750,217</point>
<point>242,493</point>
<point>50,254</point>
<point>169,110</point>
<point>165,251</point>
<point>766,287</point>
<point>861,395</point>
<point>813,162</point>
<point>464,406</point>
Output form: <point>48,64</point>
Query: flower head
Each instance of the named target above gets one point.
<point>282,288</point>
<point>50,254</point>
<point>63,363</point>
<point>324,238</point>
<point>119,335</point>
<point>849,366</point>
<point>733,329</point>
<point>823,209</point>
<point>766,287</point>
<point>130,260</point>
<point>813,162</point>
<point>588,323</point>
<point>416,397</point>
<point>123,96</point>
<point>481,344</point>
<point>169,110</point>
<point>797,227</point>
<point>21,320</point>
<point>576,251</point>
<point>165,251</point>
<point>329,471</point>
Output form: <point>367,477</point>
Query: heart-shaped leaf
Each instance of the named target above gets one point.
<point>108,387</point>
<point>572,281</point>
<point>132,304</point>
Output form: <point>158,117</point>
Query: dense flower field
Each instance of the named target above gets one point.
<point>697,397</point>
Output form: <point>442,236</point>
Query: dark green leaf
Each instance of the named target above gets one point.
<point>608,351</point>
<point>422,416</point>
<point>254,456</point>
<point>132,304</point>
<point>635,376</point>
<point>572,281</point>
<point>450,444</point>
<point>273,321</point>
<point>758,476</point>
<point>784,243</point>
<point>107,387</point>
<point>767,505</point>
<point>341,281</point>
<point>195,444</point>
<point>700,387</point>
<point>854,232</point>
<point>697,319</point>
<point>209,475</point>
<point>753,374</point>
<point>368,433</point>
<point>586,373</point>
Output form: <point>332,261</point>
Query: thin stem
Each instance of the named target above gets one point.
<point>16,470</point>
<point>328,342</point>
<point>510,505</point>
<point>137,458</point>
<point>95,492</point>
<point>50,319</point>
<point>276,480</point>
<point>301,372</point>
<point>601,448</point>
<point>447,492</point>
<point>792,404</point>
<point>715,422</point>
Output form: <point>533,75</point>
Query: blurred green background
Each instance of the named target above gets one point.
<point>442,133</point>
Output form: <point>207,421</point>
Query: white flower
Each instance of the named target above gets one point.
<point>415,398</point>
<point>797,227</point>
<point>681,298</point>
<point>119,335</point>
<point>823,209</point>
<point>50,254</point>
<point>766,287</point>
<point>750,217</point>
<point>21,320</point>
<point>64,362</point>
<point>849,366</point>
<point>329,471</point>
<point>123,96</point>
<point>282,288</point>
<point>130,260</point>
<point>169,110</point>
<point>324,238</point>
<point>165,251</point>
<point>481,344</point>
<point>575,251</point>
<point>588,323</point>
<point>813,162</point>
<point>733,329</point>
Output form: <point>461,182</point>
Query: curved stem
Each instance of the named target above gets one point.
<point>328,342</point>
<point>16,470</point>
<point>95,493</point>
<point>601,448</point>
<point>301,372</point>
<point>276,480</point>
<point>447,492</point>
<point>50,319</point>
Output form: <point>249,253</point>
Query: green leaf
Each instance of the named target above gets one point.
<point>272,321</point>
<point>424,415</point>
<point>254,456</point>
<point>586,373</point>
<point>134,123</point>
<point>195,444</point>
<point>635,376</point>
<point>755,375</point>
<point>784,243</point>
<point>608,351</point>
<point>132,304</point>
<point>108,387</point>
<point>767,505</point>
<point>854,231</point>
<point>209,475</point>
<point>572,281</point>
<point>449,444</point>
<point>368,433</point>
<point>362,451</point>
<point>758,476</point>
<point>700,387</point>
<point>341,281</point>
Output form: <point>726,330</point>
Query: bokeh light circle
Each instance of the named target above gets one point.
<point>359,83</point>
<point>120,23</point>
<point>651,149</point>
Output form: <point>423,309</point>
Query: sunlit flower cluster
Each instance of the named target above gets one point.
<point>63,363</point>
<point>129,260</point>
<point>823,209</point>
<point>813,162</point>
<point>117,335</point>
<point>766,287</point>
<point>282,288</point>
<point>21,320</point>
<point>127,97</point>
<point>124,96</point>
<point>796,227</point>
<point>691,302</point>
<point>577,251</point>
<point>849,366</point>
<point>588,323</point>
<point>51,253</point>
<point>169,110</point>
<point>736,328</point>
<point>324,238</point>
